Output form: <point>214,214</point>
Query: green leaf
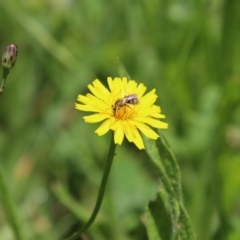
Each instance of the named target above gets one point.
<point>185,227</point>
<point>171,166</point>
<point>158,218</point>
<point>166,172</point>
<point>166,216</point>
<point>166,163</point>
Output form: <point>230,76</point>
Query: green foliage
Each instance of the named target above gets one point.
<point>53,161</point>
<point>166,216</point>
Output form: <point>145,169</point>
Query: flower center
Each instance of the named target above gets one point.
<point>125,112</point>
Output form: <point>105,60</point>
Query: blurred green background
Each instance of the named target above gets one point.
<point>53,161</point>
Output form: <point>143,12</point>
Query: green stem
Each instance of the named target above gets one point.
<point>4,78</point>
<point>101,192</point>
<point>9,207</point>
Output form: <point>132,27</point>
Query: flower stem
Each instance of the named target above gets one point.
<point>101,192</point>
<point>9,207</point>
<point>4,78</point>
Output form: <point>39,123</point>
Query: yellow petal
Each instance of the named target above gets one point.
<point>104,128</point>
<point>152,122</point>
<point>137,140</point>
<point>101,87</point>
<point>99,90</point>
<point>149,98</point>
<point>95,118</point>
<point>117,84</point>
<point>100,104</point>
<point>83,99</point>
<point>118,134</point>
<point>157,115</point>
<point>152,111</point>
<point>96,92</point>
<point>140,90</point>
<point>124,82</point>
<point>145,112</point>
<point>146,130</point>
<point>131,87</point>
<point>86,108</point>
<point>133,135</point>
<point>110,83</point>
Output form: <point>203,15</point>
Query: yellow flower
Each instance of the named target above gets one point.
<point>124,108</point>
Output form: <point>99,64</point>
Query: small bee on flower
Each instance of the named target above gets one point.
<point>124,102</point>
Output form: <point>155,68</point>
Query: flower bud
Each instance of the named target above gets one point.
<point>9,56</point>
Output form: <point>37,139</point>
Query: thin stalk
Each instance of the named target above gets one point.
<point>9,207</point>
<point>3,80</point>
<point>101,192</point>
<point>5,196</point>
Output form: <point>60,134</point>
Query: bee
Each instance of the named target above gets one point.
<point>123,102</point>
